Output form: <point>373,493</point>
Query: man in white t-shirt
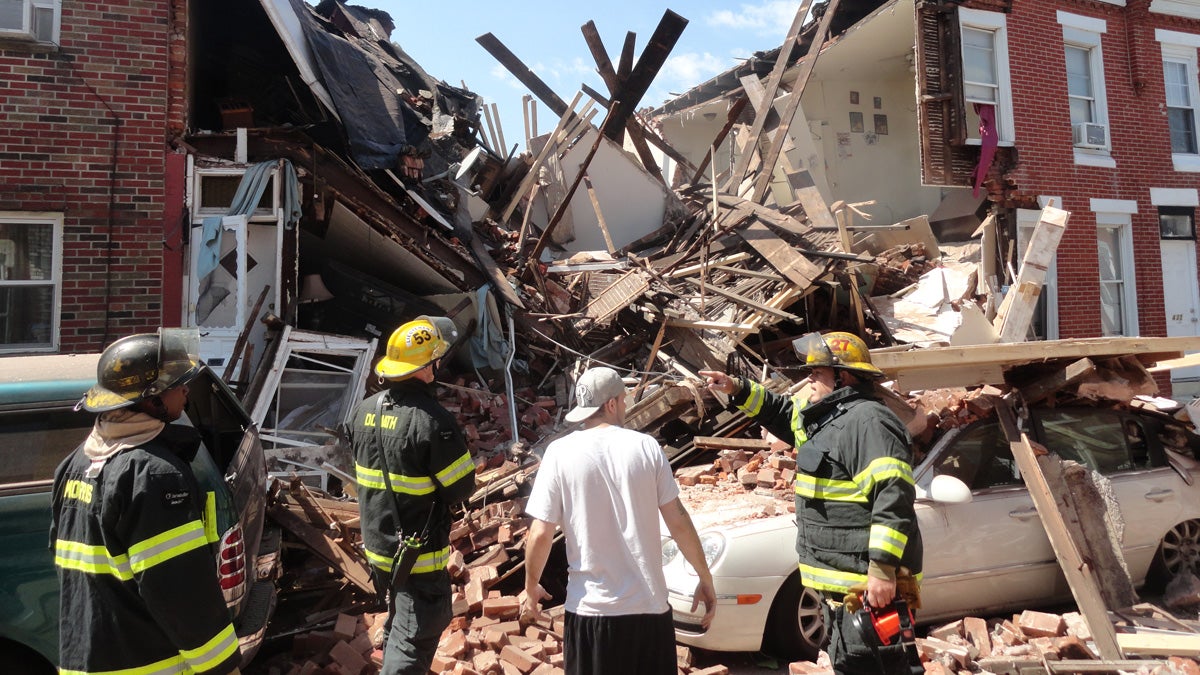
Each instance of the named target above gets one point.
<point>606,486</point>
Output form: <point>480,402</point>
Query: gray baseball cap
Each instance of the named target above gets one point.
<point>595,387</point>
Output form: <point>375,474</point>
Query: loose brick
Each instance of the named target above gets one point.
<point>977,632</point>
<point>454,644</point>
<point>518,658</point>
<point>348,659</point>
<point>345,627</point>
<point>1040,624</point>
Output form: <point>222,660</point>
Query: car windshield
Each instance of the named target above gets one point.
<point>1095,438</point>
<point>979,457</point>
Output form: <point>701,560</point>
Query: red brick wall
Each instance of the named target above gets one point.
<point>59,111</point>
<point>1139,137</point>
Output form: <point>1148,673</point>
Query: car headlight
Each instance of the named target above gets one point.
<point>670,551</point>
<point>713,544</point>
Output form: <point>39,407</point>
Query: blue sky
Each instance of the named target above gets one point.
<point>545,35</point>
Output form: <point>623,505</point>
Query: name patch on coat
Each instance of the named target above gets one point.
<point>174,498</point>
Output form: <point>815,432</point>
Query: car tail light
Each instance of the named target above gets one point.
<point>231,565</point>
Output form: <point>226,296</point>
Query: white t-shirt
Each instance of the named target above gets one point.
<point>603,486</point>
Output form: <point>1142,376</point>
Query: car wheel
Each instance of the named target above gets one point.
<point>1179,552</point>
<point>795,627</point>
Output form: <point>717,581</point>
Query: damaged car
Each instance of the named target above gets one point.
<point>986,550</point>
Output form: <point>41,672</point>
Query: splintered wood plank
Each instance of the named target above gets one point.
<point>1017,310</point>
<point>616,297</point>
<point>1007,355</point>
<point>1077,571</point>
<point>948,376</point>
<point>321,542</point>
<point>780,254</point>
<point>721,443</point>
<point>810,198</point>
<point>747,302</point>
<point>1064,378</point>
<point>1161,644</point>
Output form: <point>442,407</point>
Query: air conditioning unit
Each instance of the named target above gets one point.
<point>1090,135</point>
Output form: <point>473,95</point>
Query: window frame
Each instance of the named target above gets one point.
<point>1168,210</point>
<point>1122,223</point>
<point>1027,220</point>
<point>26,32</point>
<point>1181,48</point>
<point>55,220</point>
<point>997,24</point>
<point>1085,32</point>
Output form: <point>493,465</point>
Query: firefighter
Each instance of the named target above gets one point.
<point>140,591</point>
<point>857,528</point>
<point>412,464</point>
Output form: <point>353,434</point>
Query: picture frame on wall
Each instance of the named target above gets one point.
<point>854,98</point>
<point>856,122</point>
<point>881,126</point>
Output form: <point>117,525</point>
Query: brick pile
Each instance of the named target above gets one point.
<point>974,645</point>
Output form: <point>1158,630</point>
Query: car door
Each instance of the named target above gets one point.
<point>1124,448</point>
<point>991,552</point>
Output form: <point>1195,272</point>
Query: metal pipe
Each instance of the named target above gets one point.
<point>508,382</point>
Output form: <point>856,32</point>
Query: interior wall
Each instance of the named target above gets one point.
<point>865,163</point>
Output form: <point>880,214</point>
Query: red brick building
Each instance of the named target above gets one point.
<point>87,212</point>
<point>1101,100</point>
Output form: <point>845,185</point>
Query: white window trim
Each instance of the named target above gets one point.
<point>1124,224</point>
<point>1189,9</point>
<point>27,34</point>
<point>43,218</point>
<point>997,23</point>
<point>1128,206</point>
<point>1181,48</point>
<point>1174,197</point>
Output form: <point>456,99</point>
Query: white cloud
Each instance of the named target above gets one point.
<point>772,17</point>
<point>688,70</point>
<point>501,73</point>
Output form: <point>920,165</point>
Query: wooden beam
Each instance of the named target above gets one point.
<point>712,325</point>
<point>637,392</point>
<point>566,200</point>
<point>722,443</point>
<point>524,75</point>
<point>1017,310</point>
<point>1062,379</point>
<point>741,300</point>
<point>569,121</point>
<point>773,81</point>
<point>1077,571</point>
<point>1160,644</point>
<point>633,88</point>
<point>731,118</point>
<point>780,254</point>
<point>599,215</point>
<point>781,134</point>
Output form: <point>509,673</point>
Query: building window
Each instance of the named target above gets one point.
<point>31,19</point>
<point>1177,222</point>
<point>985,70</point>
<point>1114,248</point>
<point>30,281</point>
<point>1086,96</point>
<point>1182,96</point>
<point>1181,107</point>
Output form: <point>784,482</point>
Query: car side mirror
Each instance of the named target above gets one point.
<point>949,490</point>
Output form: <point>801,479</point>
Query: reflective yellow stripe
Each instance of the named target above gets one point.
<point>369,478</point>
<point>431,562</point>
<point>210,518</point>
<point>409,485</point>
<point>882,469</point>
<point>461,467</point>
<point>798,422</point>
<point>210,654</point>
<point>172,543</point>
<point>886,539</point>
<point>753,404</point>
<point>822,579</point>
<point>170,666</point>
<point>383,562</point>
<point>426,562</point>
<point>810,487</point>
<point>74,555</point>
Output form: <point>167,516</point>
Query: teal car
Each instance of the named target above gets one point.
<point>39,426</point>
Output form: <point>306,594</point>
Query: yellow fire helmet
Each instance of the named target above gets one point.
<point>415,345</point>
<point>836,350</point>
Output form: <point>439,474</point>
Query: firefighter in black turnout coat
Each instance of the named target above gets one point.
<point>411,464</point>
<point>857,527</point>
<point>140,591</point>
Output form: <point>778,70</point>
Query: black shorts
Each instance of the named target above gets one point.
<point>631,644</point>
